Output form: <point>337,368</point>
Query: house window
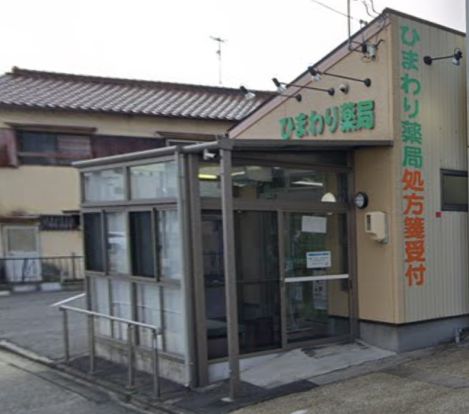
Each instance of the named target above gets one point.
<point>454,192</point>
<point>46,148</point>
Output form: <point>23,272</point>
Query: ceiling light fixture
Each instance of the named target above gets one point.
<point>317,74</point>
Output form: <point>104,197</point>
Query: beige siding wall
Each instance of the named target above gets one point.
<point>265,124</point>
<point>34,190</point>
<point>377,290</point>
<point>38,190</point>
<point>443,118</point>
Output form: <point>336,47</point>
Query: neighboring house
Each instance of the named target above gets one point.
<point>48,120</point>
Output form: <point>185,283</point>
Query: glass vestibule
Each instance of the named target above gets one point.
<point>291,250</point>
<point>291,239</point>
<point>133,250</point>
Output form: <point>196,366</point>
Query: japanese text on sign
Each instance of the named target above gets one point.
<point>348,117</point>
<point>413,183</point>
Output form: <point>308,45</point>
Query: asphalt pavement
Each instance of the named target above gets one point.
<point>28,320</point>
<point>435,380</point>
<point>30,388</point>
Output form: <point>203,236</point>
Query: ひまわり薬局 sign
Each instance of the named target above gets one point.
<point>346,118</point>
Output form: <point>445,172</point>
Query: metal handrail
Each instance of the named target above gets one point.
<point>112,318</point>
<point>131,343</point>
<point>63,302</point>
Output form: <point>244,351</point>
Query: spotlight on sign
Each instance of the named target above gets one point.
<point>455,58</point>
<point>316,74</point>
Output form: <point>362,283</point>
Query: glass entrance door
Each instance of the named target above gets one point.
<point>315,275</point>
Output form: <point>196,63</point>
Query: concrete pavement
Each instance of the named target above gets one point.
<point>430,381</point>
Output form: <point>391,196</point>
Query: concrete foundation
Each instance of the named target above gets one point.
<point>116,351</point>
<point>402,338</point>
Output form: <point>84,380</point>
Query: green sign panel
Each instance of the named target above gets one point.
<point>348,117</point>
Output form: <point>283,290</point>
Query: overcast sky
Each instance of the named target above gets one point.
<point>169,40</point>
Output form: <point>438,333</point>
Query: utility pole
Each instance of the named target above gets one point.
<point>219,40</point>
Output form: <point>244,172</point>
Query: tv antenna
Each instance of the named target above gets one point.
<point>219,40</point>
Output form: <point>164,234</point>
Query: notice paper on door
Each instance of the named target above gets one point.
<point>313,224</point>
<point>318,260</point>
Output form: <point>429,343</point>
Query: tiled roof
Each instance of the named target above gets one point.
<point>29,89</point>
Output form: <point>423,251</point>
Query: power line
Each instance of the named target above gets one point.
<point>334,10</point>
<point>367,8</point>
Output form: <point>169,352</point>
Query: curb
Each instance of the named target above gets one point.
<point>32,356</point>
<point>124,397</point>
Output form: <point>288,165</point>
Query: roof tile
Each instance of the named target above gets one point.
<point>58,91</point>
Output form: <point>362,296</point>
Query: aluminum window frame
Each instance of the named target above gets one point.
<point>450,206</point>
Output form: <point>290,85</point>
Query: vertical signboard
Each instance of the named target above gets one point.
<point>412,138</point>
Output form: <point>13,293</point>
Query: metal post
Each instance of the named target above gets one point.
<point>74,271</point>
<point>91,344</point>
<point>65,335</point>
<point>230,272</point>
<point>156,366</point>
<point>130,356</point>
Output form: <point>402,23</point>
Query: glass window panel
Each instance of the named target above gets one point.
<point>316,309</point>
<point>104,185</point>
<point>153,180</point>
<point>148,311</point>
<point>256,182</point>
<point>116,238</point>
<point>173,322</point>
<point>100,303</point>
<point>259,316</point>
<point>256,239</point>
<point>170,244</point>
<point>120,307</point>
<point>454,191</point>
<point>209,180</point>
<point>212,242</point>
<point>141,242</point>
<point>308,234</point>
<point>93,235</point>
<point>258,283</point>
